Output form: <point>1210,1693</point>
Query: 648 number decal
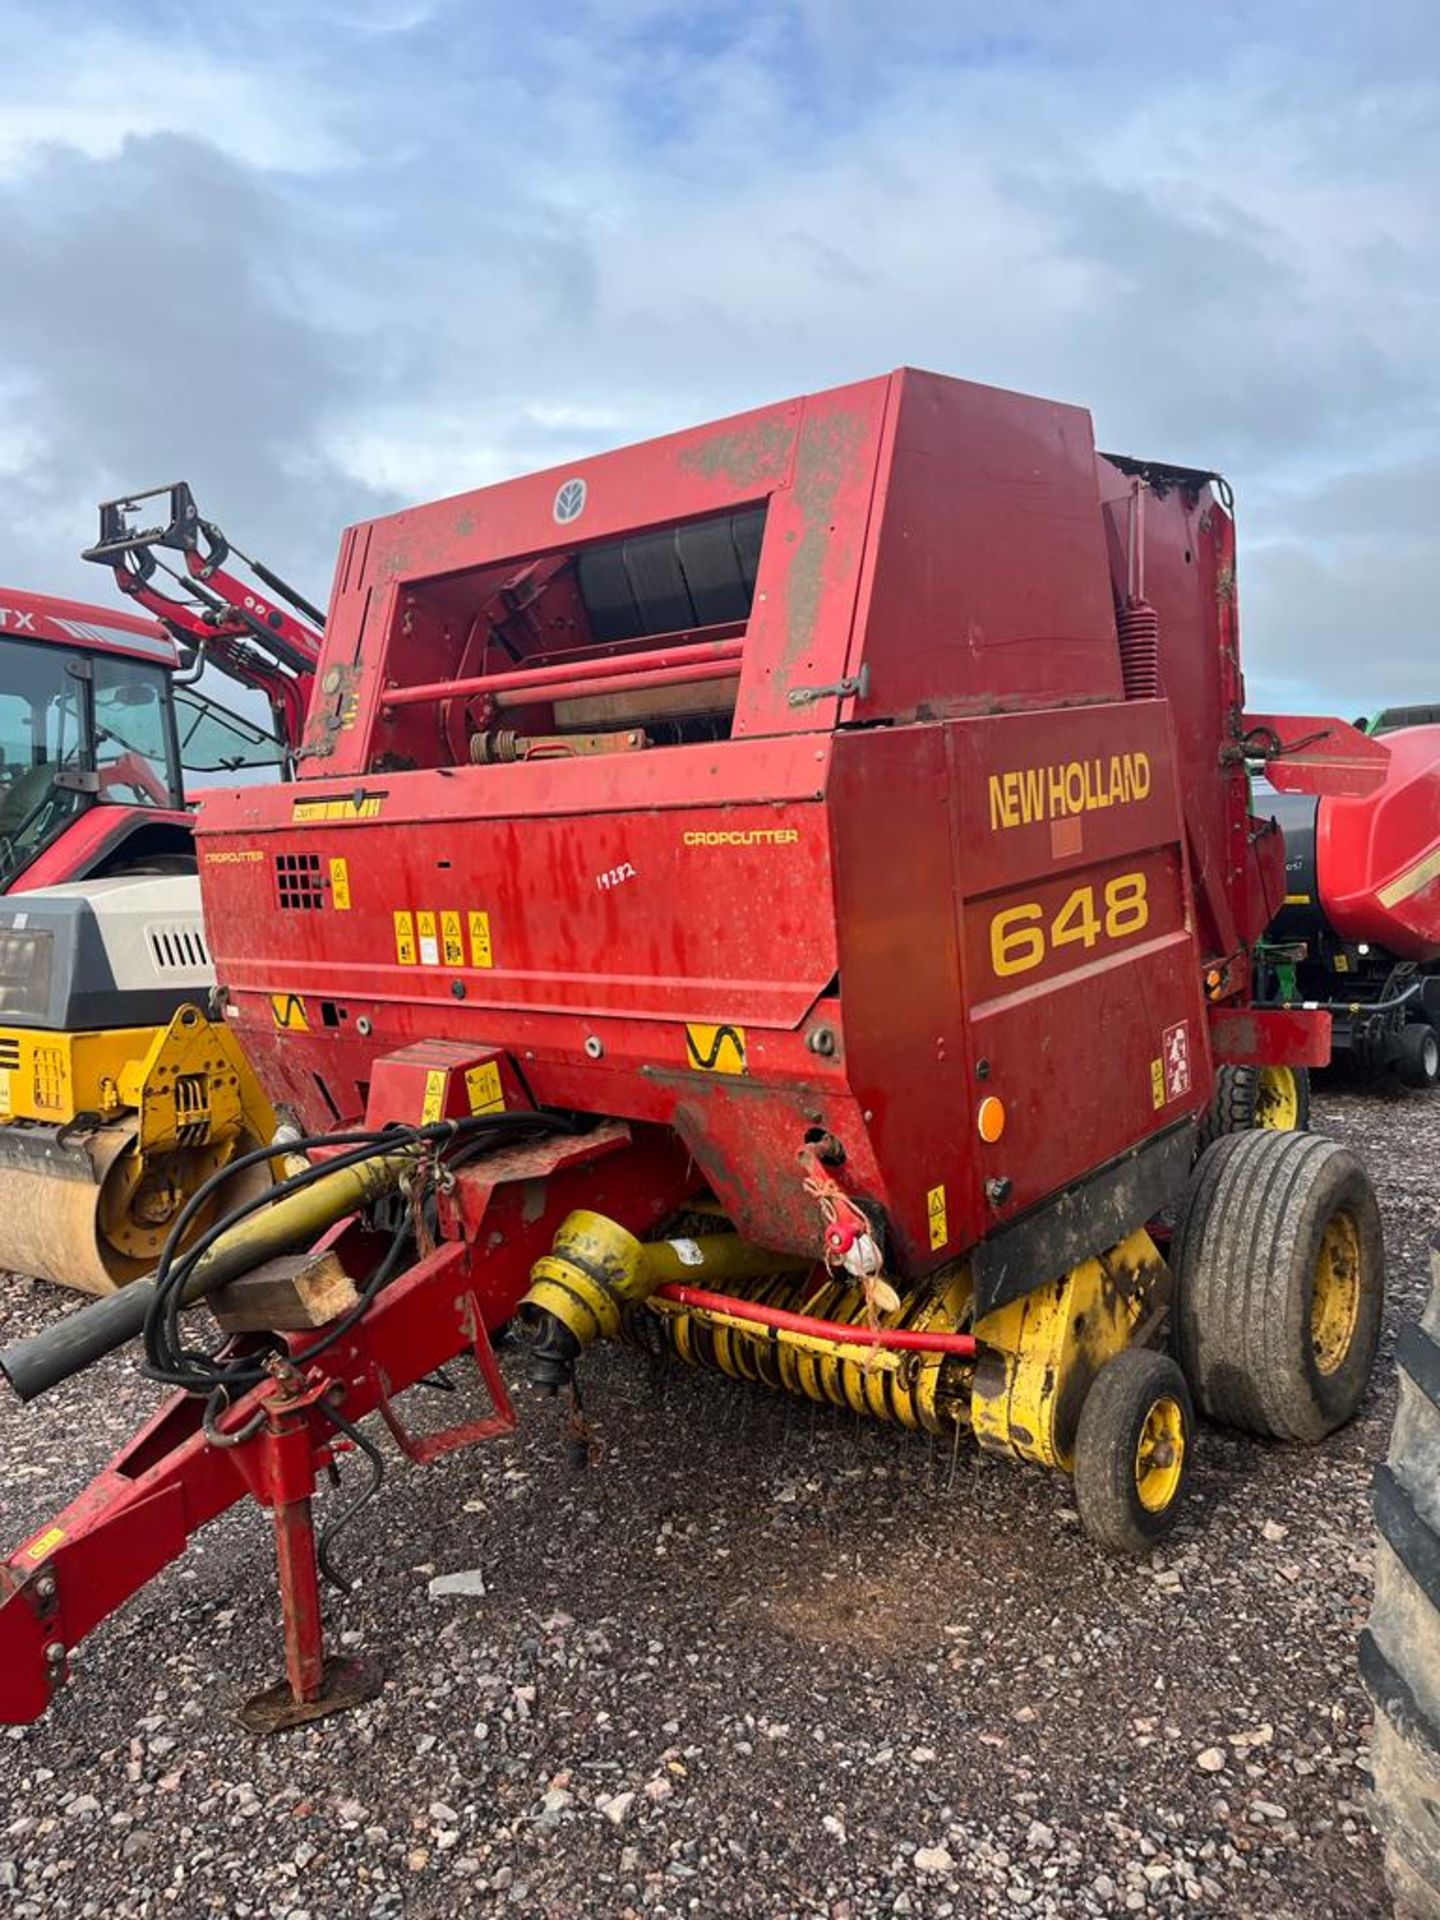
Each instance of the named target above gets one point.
<point>1021,937</point>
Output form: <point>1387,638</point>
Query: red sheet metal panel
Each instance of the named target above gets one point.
<point>1083,996</point>
<point>987,585</point>
<point>863,933</point>
<point>1378,855</point>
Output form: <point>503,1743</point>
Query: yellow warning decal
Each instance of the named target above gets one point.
<point>289,1012</point>
<point>715,1049</point>
<point>1297,899</point>
<point>405,939</point>
<point>434,1107</point>
<point>340,883</point>
<point>1157,1084</point>
<point>5,1106</point>
<point>44,1543</point>
<point>429,944</point>
<point>481,952</point>
<point>483,1088</point>
<point>344,807</point>
<point>452,939</point>
<point>935,1208</point>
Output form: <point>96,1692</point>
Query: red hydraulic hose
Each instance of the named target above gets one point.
<point>904,1339</point>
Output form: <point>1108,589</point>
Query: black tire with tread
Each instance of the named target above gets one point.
<point>1244,1260</point>
<point>1106,1439</point>
<point>1417,1063</point>
<point>1400,1649</point>
<point>1235,1102</point>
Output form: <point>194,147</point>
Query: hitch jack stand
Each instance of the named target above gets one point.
<point>315,1684</point>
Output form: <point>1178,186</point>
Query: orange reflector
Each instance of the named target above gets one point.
<point>990,1119</point>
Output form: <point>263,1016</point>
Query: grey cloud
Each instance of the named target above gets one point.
<point>612,214</point>
<point>152,331</point>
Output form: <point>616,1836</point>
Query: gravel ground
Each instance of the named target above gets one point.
<point>759,1661</point>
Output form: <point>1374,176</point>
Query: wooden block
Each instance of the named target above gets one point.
<point>285,1295</point>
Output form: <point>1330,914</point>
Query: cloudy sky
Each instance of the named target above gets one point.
<point>321,257</point>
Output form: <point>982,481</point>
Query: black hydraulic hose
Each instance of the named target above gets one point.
<point>336,1522</point>
<point>169,1285</point>
<point>43,1361</point>
<point>167,1360</point>
<point>179,1366</point>
<point>56,1353</point>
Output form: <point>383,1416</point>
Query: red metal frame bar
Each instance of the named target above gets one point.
<point>901,1339</point>
<point>554,681</point>
<point>139,1513</point>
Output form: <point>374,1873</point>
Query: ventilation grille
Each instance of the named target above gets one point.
<point>297,881</point>
<point>178,947</point>
<point>9,1056</point>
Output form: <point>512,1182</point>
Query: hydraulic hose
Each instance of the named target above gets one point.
<point>35,1365</point>
<point>293,1215</point>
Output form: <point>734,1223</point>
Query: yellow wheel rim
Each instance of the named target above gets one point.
<point>1335,1295</point>
<point>1160,1455</point>
<point>1277,1100</point>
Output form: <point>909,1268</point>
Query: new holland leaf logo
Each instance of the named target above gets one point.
<point>569,501</point>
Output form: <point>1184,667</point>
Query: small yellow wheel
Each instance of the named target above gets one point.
<point>1282,1099</point>
<point>1132,1450</point>
<point>1272,1099</point>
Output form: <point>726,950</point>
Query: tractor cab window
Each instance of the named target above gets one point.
<point>77,729</point>
<point>134,746</point>
<point>43,739</point>
<point>217,745</point>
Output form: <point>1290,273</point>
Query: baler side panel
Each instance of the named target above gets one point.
<point>1077,940</point>
<point>809,580</point>
<point>905,1040</point>
<point>1188,575</point>
<point>989,586</point>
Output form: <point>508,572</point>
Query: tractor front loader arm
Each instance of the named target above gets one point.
<point>183,1469</point>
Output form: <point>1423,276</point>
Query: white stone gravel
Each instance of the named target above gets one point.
<point>761,1661</point>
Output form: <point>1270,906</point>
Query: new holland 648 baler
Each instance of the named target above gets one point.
<point>780,893</point>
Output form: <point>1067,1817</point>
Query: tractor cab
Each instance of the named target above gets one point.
<point>101,739</point>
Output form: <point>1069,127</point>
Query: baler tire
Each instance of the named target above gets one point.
<point>1279,1268</point>
<point>1400,1648</point>
<point>1272,1099</point>
<point>1138,1393</point>
<point>1417,1062</point>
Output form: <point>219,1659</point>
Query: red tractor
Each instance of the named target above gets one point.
<point>779,894</point>
<point>117,1095</point>
<point>98,724</point>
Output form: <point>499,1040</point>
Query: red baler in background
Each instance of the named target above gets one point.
<point>1360,928</point>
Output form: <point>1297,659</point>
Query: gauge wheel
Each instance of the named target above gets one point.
<point>1132,1450</point>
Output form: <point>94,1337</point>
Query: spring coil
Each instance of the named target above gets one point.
<point>1139,629</point>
